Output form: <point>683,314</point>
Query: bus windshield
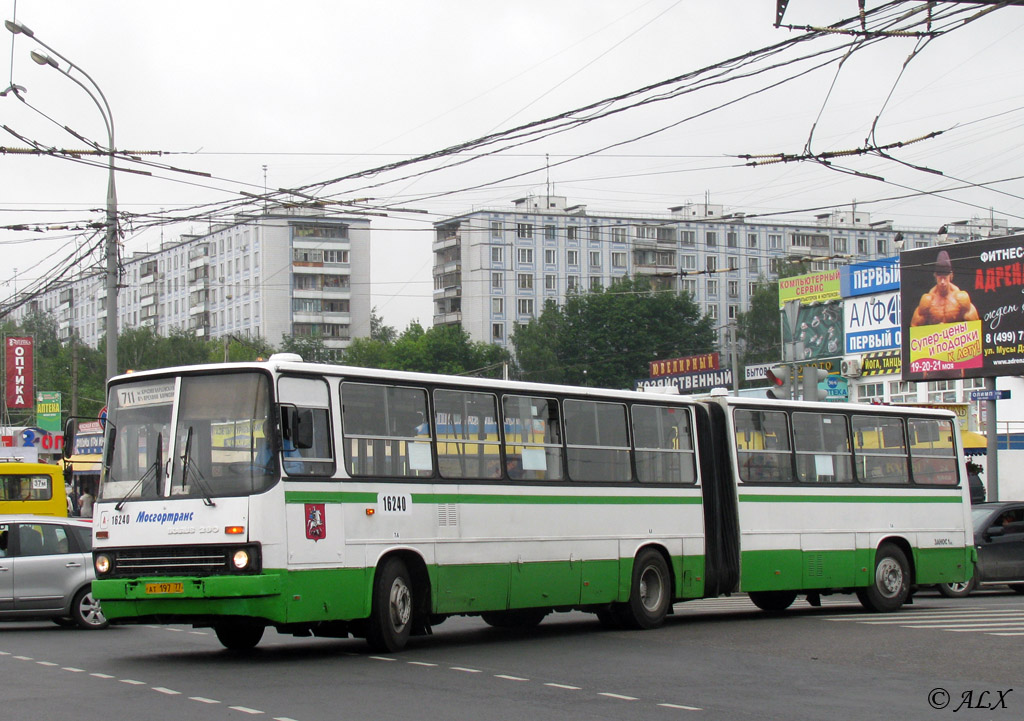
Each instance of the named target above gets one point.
<point>218,425</point>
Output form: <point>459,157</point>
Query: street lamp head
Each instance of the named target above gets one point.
<point>44,59</point>
<point>17,28</point>
<point>16,89</point>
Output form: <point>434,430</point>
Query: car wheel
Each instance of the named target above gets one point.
<point>957,590</point>
<point>392,610</point>
<point>891,583</point>
<point>650,595</point>
<point>86,611</point>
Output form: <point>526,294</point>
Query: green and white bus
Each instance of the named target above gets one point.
<point>334,501</point>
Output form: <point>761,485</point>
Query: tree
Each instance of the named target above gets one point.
<point>759,327</point>
<point>442,349</point>
<point>379,331</point>
<point>311,348</point>
<point>607,338</point>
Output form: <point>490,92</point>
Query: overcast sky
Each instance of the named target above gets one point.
<point>317,91</point>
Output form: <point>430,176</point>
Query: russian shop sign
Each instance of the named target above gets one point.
<point>18,372</point>
<point>688,364</point>
<point>874,276</point>
<point>837,388</point>
<point>872,323</point>
<point>879,364</point>
<point>963,310</point>
<point>689,382</point>
<point>820,329</point>
<point>48,411</point>
<point>810,288</point>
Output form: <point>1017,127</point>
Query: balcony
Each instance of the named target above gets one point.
<point>448,318</point>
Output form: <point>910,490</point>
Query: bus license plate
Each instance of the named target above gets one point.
<point>161,588</point>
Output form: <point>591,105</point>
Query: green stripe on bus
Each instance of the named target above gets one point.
<point>771,498</point>
<point>493,499</point>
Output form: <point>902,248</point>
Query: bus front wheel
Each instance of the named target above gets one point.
<point>891,583</point>
<point>773,601</point>
<point>238,635</point>
<point>391,614</point>
<point>650,594</point>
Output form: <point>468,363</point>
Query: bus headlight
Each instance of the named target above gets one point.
<point>240,559</point>
<point>102,564</point>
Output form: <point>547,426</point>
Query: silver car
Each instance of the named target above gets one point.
<point>46,571</point>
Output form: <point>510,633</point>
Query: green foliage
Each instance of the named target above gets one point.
<point>442,349</point>
<point>607,338</point>
<point>759,327</point>
<point>311,348</point>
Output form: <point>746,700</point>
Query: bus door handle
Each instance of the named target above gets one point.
<point>72,564</point>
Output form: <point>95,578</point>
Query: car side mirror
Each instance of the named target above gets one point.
<point>995,531</point>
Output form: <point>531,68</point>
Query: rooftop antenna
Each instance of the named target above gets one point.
<point>547,177</point>
<point>264,189</point>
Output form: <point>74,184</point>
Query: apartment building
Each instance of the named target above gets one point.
<point>281,272</point>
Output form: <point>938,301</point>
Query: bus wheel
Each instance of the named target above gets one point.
<point>891,584</point>
<point>773,601</point>
<point>650,594</point>
<point>391,615</point>
<point>86,611</point>
<point>956,590</point>
<point>238,635</point>
<point>519,618</point>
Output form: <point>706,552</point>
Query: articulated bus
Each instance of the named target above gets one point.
<point>334,501</point>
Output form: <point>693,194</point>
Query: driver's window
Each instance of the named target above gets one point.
<point>307,446</point>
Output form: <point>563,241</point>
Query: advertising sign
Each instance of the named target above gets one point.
<point>18,372</point>
<point>836,387</point>
<point>962,310</point>
<point>874,276</point>
<point>689,382</point>
<point>758,371</point>
<point>872,323</point>
<point>48,411</point>
<point>878,364</point>
<point>810,288</point>
<point>820,329</point>
<point>688,364</point>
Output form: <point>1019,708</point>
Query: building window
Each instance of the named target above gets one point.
<point>595,259</point>
<point>549,232</point>
<point>524,230</point>
<point>688,237</point>
<point>525,306</point>
<point>525,255</point>
<point>689,286</point>
<point>712,286</point>
<point>550,282</point>
<point>734,262</point>
<point>498,331</point>
<point>839,244</point>
<point>688,262</point>
<point>498,306</point>
<point>882,246</point>
<point>524,281</point>
<point>573,232</point>
<point>862,246</point>
<point>646,232</point>
<point>713,312</point>
<point>498,280</point>
<point>572,257</point>
<point>733,311</point>
<point>618,260</point>
<point>774,241</point>
<point>731,240</point>
<point>497,254</point>
<point>711,263</point>
<point>551,256</point>
<point>734,289</point>
<point>751,240</point>
<point>618,234</point>
<point>711,239</point>
<point>595,233</point>
<point>496,229</point>
<point>666,235</point>
<point>595,283</point>
<point>773,265</point>
<point>753,265</point>
<point>572,282</point>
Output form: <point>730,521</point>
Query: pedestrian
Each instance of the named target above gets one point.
<point>85,504</point>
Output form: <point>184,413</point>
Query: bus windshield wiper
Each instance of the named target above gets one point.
<point>190,469</point>
<point>152,471</point>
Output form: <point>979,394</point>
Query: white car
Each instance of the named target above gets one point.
<point>46,571</point>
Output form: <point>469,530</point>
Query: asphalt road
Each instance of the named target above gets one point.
<point>719,659</point>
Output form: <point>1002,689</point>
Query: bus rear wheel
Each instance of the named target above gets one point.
<point>238,635</point>
<point>773,601</point>
<point>391,615</point>
<point>650,593</point>
<point>518,618</point>
<point>891,583</point>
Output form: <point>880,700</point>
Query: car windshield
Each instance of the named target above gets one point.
<point>218,425</point>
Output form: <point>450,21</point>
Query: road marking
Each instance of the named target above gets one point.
<point>562,685</point>
<point>383,658</point>
<point>421,663</point>
<point>46,663</point>
<point>681,707</point>
<point>132,682</point>
<point>510,678</point>
<point>24,658</point>
<point>201,699</point>
<point>72,669</point>
<point>617,695</point>
<point>245,709</point>
<point>101,675</point>
<point>465,670</point>
<point>168,691</point>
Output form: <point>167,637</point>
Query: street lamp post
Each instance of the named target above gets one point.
<point>111,224</point>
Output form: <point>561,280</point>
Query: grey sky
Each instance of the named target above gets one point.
<point>318,90</point>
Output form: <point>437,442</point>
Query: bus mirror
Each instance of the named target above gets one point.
<point>297,426</point>
<point>108,449</point>
<point>70,429</point>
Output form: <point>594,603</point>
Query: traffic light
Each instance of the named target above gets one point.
<point>781,377</point>
<point>812,376</point>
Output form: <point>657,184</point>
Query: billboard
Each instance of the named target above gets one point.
<point>689,382</point>
<point>48,411</point>
<point>962,310</point>
<point>687,364</point>
<point>18,380</point>
<point>874,276</point>
<point>872,323</point>
<point>820,329</point>
<point>810,288</point>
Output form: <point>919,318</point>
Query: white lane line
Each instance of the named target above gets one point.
<point>46,663</point>
<point>24,658</point>
<point>101,675</point>
<point>72,669</point>
<point>465,670</point>
<point>1018,633</point>
<point>510,678</point>
<point>199,633</point>
<point>562,685</point>
<point>681,707</point>
<point>244,709</point>
<point>383,658</point>
<point>421,663</point>
<point>132,682</point>
<point>617,695</point>
<point>5,653</point>
<point>283,718</point>
<point>201,699</point>
<point>168,691</point>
